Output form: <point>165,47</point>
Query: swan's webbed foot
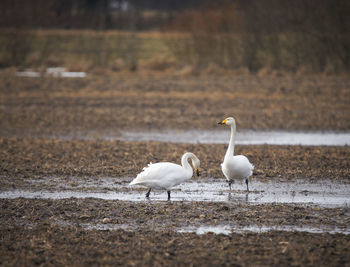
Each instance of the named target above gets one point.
<point>229,184</point>
<point>148,192</point>
<point>168,195</point>
<point>246,181</point>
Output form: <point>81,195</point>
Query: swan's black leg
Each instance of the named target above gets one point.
<point>168,195</point>
<point>246,181</point>
<point>229,184</point>
<point>148,192</point>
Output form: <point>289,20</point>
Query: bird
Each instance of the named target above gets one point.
<point>235,167</point>
<point>166,175</point>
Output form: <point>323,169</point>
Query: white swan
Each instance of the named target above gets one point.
<point>165,175</point>
<point>235,167</point>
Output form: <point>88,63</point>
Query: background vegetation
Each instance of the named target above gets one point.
<point>299,35</point>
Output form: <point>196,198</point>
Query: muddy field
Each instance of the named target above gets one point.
<point>62,232</point>
<point>95,105</point>
<point>71,203</point>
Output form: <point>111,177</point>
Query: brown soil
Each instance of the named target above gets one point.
<point>54,232</point>
<point>24,159</point>
<point>63,106</point>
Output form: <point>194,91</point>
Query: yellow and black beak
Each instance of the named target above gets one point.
<point>222,122</point>
<point>197,172</point>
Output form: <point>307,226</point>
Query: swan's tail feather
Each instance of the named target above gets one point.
<point>142,174</point>
<point>251,169</point>
<point>133,182</point>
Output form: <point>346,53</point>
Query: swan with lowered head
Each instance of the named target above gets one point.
<point>235,167</point>
<point>165,175</point>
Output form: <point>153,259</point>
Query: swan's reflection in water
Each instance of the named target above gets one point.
<point>240,198</point>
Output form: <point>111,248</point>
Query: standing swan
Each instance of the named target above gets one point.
<point>235,167</point>
<point>165,175</point>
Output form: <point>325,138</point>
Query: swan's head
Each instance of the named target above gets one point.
<point>196,163</point>
<point>194,160</point>
<point>228,121</point>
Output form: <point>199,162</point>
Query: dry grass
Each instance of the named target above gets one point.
<point>84,50</point>
<point>161,52</point>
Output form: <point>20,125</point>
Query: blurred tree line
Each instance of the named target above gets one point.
<point>90,14</point>
<point>279,34</point>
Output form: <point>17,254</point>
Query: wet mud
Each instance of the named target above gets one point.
<point>91,231</point>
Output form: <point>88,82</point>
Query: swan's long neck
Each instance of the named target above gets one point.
<point>184,162</point>
<point>231,147</point>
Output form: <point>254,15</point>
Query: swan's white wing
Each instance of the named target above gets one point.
<point>161,175</point>
<point>237,167</point>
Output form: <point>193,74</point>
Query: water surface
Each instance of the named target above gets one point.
<point>302,191</point>
<point>241,138</point>
<point>58,72</point>
<point>227,229</point>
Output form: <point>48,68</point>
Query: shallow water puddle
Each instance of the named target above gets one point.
<point>217,229</point>
<point>226,229</point>
<point>222,137</point>
<point>81,183</point>
<point>323,193</point>
<point>58,72</point>
<point>242,138</point>
<point>210,137</point>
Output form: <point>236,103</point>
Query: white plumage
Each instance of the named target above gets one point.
<point>166,175</point>
<point>235,167</point>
